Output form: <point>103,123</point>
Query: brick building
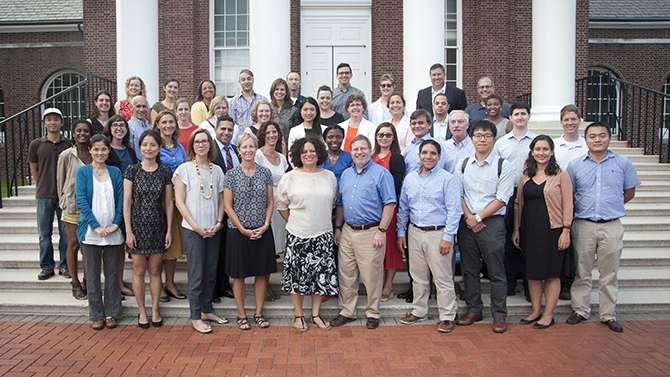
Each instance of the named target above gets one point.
<point>47,44</point>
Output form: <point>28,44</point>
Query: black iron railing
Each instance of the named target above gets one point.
<point>20,129</point>
<point>634,113</point>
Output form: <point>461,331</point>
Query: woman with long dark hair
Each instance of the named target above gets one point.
<point>280,97</point>
<point>309,115</point>
<point>102,111</point>
<point>542,223</point>
<point>387,154</point>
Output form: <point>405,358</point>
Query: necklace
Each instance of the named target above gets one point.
<point>211,186</point>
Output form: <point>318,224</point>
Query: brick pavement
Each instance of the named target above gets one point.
<point>588,349</point>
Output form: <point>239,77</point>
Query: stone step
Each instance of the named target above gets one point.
<point>650,166</point>
<point>28,190</point>
<point>647,175</point>
<point>645,223</point>
<point>647,209</point>
<point>657,197</point>
<point>652,186</point>
<point>630,300</point>
<point>18,201</point>
<point>18,213</point>
<point>645,257</point>
<point>622,150</point>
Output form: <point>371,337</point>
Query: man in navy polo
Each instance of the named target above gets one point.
<point>602,182</point>
<point>365,203</point>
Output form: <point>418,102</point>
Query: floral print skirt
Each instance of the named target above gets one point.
<point>309,265</point>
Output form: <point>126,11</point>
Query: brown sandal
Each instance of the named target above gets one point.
<point>322,323</point>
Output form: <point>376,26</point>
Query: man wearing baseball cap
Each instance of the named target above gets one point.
<point>43,155</point>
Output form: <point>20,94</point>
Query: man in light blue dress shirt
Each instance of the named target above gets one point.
<point>602,183</point>
<point>138,123</point>
<point>460,145</point>
<point>365,203</point>
<point>486,186</point>
<point>430,203</point>
<point>419,122</point>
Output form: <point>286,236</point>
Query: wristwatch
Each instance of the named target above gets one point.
<point>383,230</point>
<point>479,218</point>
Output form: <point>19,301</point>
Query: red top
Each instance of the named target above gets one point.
<point>125,109</point>
<point>185,135</point>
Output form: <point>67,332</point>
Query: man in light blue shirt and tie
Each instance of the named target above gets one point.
<point>430,203</point>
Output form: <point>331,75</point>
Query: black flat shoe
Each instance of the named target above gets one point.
<point>405,294</point>
<point>164,299</point>
<point>178,297</point>
<point>529,321</point>
<point>156,324</point>
<point>143,326</point>
<point>541,327</point>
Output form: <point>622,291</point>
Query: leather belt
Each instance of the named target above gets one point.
<point>425,228</point>
<point>363,227</point>
<point>601,221</point>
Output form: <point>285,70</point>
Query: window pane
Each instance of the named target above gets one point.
<point>242,23</point>
<point>242,6</point>
<point>452,38</point>
<point>230,7</point>
<point>451,72</point>
<point>230,39</point>
<point>230,23</point>
<point>451,56</point>
<point>218,23</point>
<point>450,6</point>
<point>218,40</point>
<point>243,39</point>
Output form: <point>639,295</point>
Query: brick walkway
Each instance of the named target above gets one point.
<point>588,349</point>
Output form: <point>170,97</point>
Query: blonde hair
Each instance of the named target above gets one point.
<point>216,101</point>
<point>254,110</point>
<point>143,88</point>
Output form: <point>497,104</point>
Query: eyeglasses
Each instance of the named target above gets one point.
<point>488,137</point>
<point>344,73</point>
<point>386,85</point>
<point>118,125</point>
<point>387,136</point>
<point>485,86</point>
<point>201,142</point>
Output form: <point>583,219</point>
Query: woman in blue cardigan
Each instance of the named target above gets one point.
<point>99,196</point>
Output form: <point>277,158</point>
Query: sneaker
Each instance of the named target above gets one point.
<point>445,326</point>
<point>45,274</point>
<point>411,319</point>
<point>65,272</point>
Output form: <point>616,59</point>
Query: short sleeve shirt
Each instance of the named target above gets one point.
<point>45,153</point>
<point>204,211</point>
<point>250,195</point>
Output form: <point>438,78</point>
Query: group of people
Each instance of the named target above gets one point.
<point>342,189</point>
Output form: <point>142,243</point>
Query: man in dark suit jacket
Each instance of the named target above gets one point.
<point>227,157</point>
<point>456,96</point>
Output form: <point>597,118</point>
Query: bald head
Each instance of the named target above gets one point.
<point>140,107</point>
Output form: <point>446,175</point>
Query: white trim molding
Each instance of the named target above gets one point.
<point>622,41</point>
<point>41,45</point>
<point>629,24</point>
<point>40,28</point>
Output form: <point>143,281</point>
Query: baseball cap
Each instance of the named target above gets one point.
<point>52,110</point>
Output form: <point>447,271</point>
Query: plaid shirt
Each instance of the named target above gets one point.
<point>240,109</point>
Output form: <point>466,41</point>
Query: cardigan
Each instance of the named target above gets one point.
<point>557,195</point>
<point>84,183</point>
<point>68,162</point>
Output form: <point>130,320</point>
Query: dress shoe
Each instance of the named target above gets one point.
<point>499,325</point>
<point>411,319</point>
<point>445,326</point>
<point>542,327</point>
<point>405,294</point>
<point>410,298</point>
<point>341,320</point>
<point>575,319</point>
<point>469,319</point>
<point>529,321</point>
<point>614,325</point>
<point>372,323</point>
<point>565,295</point>
<point>179,296</point>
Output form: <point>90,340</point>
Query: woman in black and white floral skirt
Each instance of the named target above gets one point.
<point>305,198</point>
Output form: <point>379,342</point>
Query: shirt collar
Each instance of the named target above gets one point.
<point>421,139</point>
<point>464,143</point>
<point>528,134</point>
<point>488,160</point>
<point>609,155</point>
<point>365,168</point>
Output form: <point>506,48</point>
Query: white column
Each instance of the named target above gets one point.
<point>553,80</point>
<point>423,43</point>
<point>137,45</point>
<point>269,42</point>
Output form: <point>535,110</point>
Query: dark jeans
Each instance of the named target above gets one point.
<point>46,209</point>
<point>515,267</point>
<point>109,256</point>
<point>202,255</point>
<point>488,244</point>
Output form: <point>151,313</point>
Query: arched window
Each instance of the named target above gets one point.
<point>72,104</point>
<point>602,102</point>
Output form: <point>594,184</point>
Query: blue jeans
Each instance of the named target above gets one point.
<point>46,208</point>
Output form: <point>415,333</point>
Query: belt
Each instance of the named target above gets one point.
<point>601,221</point>
<point>436,227</point>
<point>363,227</point>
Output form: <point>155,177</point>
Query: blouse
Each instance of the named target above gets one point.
<point>104,210</point>
<point>204,211</point>
<point>250,195</point>
<point>125,109</point>
<point>344,161</point>
<point>405,135</point>
<point>277,171</point>
<point>298,132</point>
<point>337,118</point>
<point>173,157</point>
<point>186,134</point>
<point>310,197</point>
<point>199,112</point>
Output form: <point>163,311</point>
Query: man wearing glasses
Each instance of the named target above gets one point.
<point>343,90</point>
<point>477,111</point>
<point>486,186</point>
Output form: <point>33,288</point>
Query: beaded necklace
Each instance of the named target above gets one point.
<point>211,180</point>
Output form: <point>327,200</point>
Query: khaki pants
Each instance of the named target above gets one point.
<point>357,255</point>
<point>424,248</point>
<point>606,241</point>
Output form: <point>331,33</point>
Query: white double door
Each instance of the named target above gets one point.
<point>332,34</point>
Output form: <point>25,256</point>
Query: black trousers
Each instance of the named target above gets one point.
<point>515,268</point>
